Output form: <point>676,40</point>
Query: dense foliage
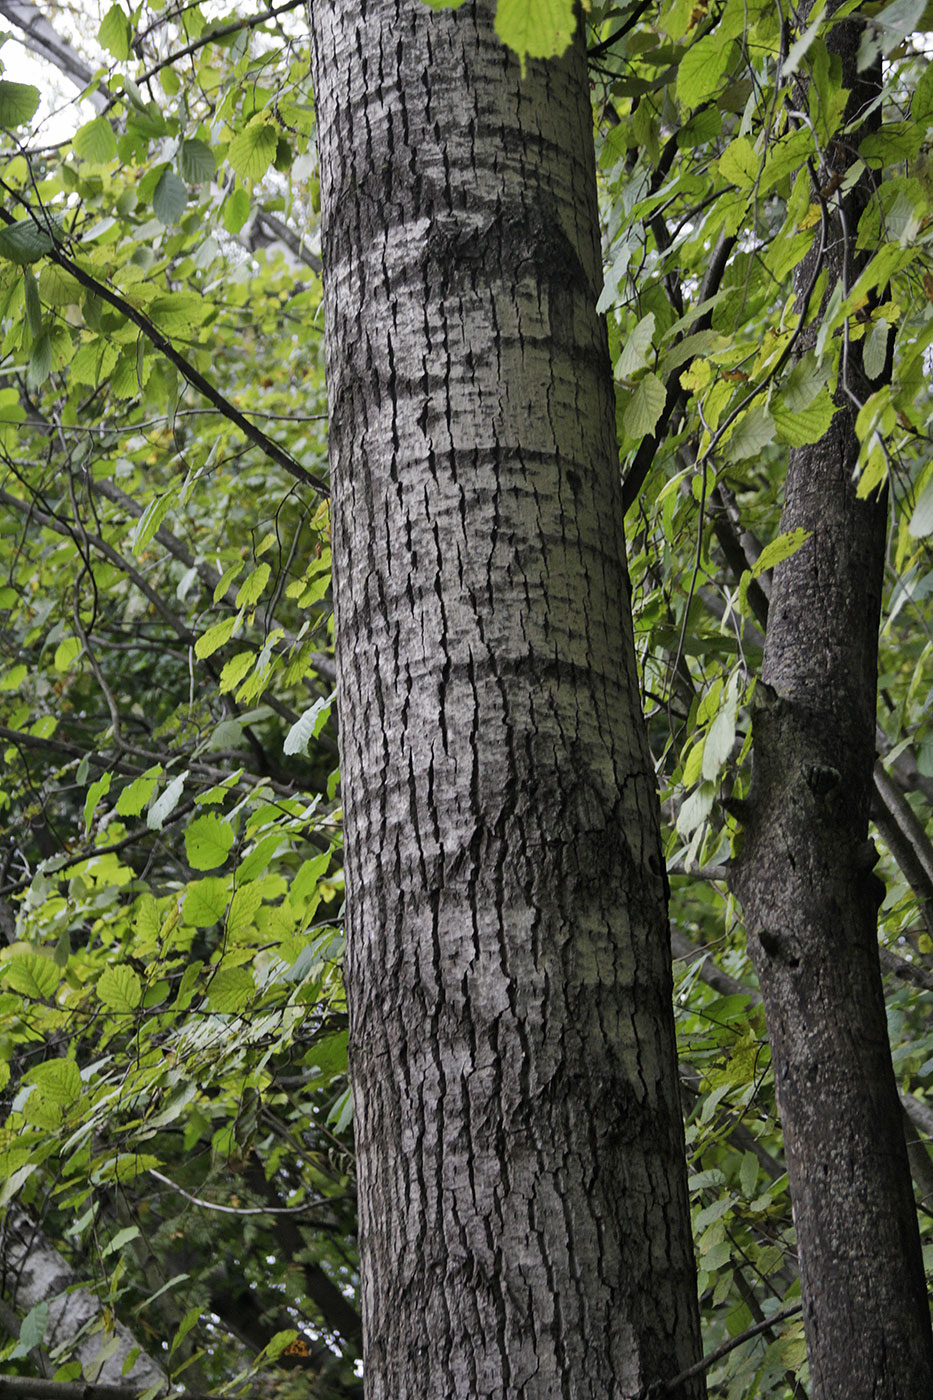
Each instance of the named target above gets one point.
<point>172,1033</point>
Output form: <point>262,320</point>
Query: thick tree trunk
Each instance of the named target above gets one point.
<point>811,899</point>
<point>523,1208</point>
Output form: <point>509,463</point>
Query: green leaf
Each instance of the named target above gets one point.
<point>32,974</point>
<point>780,549</point>
<point>798,427</point>
<point>215,637</point>
<point>136,794</point>
<point>701,69</point>
<point>58,1081</point>
<point>921,521</point>
<point>32,1330</point>
<point>536,28</point>
<point>207,842</point>
<point>115,33</point>
<point>120,988</point>
<point>206,901</point>
<point>236,210</point>
<point>169,198</point>
<point>253,150</point>
<point>66,653</point>
<point>752,431</point>
<point>18,103</point>
<point>637,348</point>
<point>309,726</point>
<point>95,792</point>
<point>644,407</point>
<point>126,1166</point>
<point>95,141</point>
<point>33,305</point>
<point>252,586</point>
<point>739,164</point>
<point>196,162</point>
<point>721,736</point>
<point>25,242</point>
<point>235,670</point>
<point>230,989</point>
<point>277,1344</point>
<point>177,312</point>
<point>121,1238</point>
<point>164,806</point>
<point>150,520</point>
<point>190,1319</point>
<point>748,1174</point>
<point>40,361</point>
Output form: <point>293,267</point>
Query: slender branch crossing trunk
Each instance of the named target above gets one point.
<point>523,1208</point>
<point>811,898</point>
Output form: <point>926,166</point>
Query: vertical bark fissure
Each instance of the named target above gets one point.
<point>810,896</point>
<point>524,1218</point>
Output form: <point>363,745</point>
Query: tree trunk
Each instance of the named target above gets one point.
<point>34,1272</point>
<point>524,1217</point>
<point>811,899</point>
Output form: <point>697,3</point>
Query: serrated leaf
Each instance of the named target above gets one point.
<point>169,198</point>
<point>751,432</point>
<point>215,637</point>
<point>18,103</point>
<point>136,794</point>
<point>32,975</point>
<point>207,842</point>
<point>696,808</point>
<point>95,792</point>
<point>126,1166</point>
<point>58,1081</point>
<point>32,1330</point>
<point>748,1174</point>
<point>875,349</point>
<point>644,407</point>
<point>25,242</point>
<point>115,33</point>
<point>121,1238</point>
<point>739,164</point>
<point>236,210</point>
<point>309,726</point>
<point>196,162</point>
<point>120,989</point>
<point>230,989</point>
<point>252,586</point>
<point>536,28</point>
<point>66,653</point>
<point>780,549</point>
<point>33,305</point>
<point>799,427</point>
<point>165,804</point>
<point>921,521</point>
<point>253,150</point>
<point>206,901</point>
<point>177,312</point>
<point>40,361</point>
<point>150,520</point>
<point>721,735</point>
<point>95,141</point>
<point>637,348</point>
<point>701,69</point>
<point>235,670</point>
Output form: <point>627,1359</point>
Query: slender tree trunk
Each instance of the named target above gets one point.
<point>524,1218</point>
<point>34,1272</point>
<point>811,899</point>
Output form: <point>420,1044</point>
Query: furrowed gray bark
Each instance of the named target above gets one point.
<point>524,1221</point>
<point>811,899</point>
